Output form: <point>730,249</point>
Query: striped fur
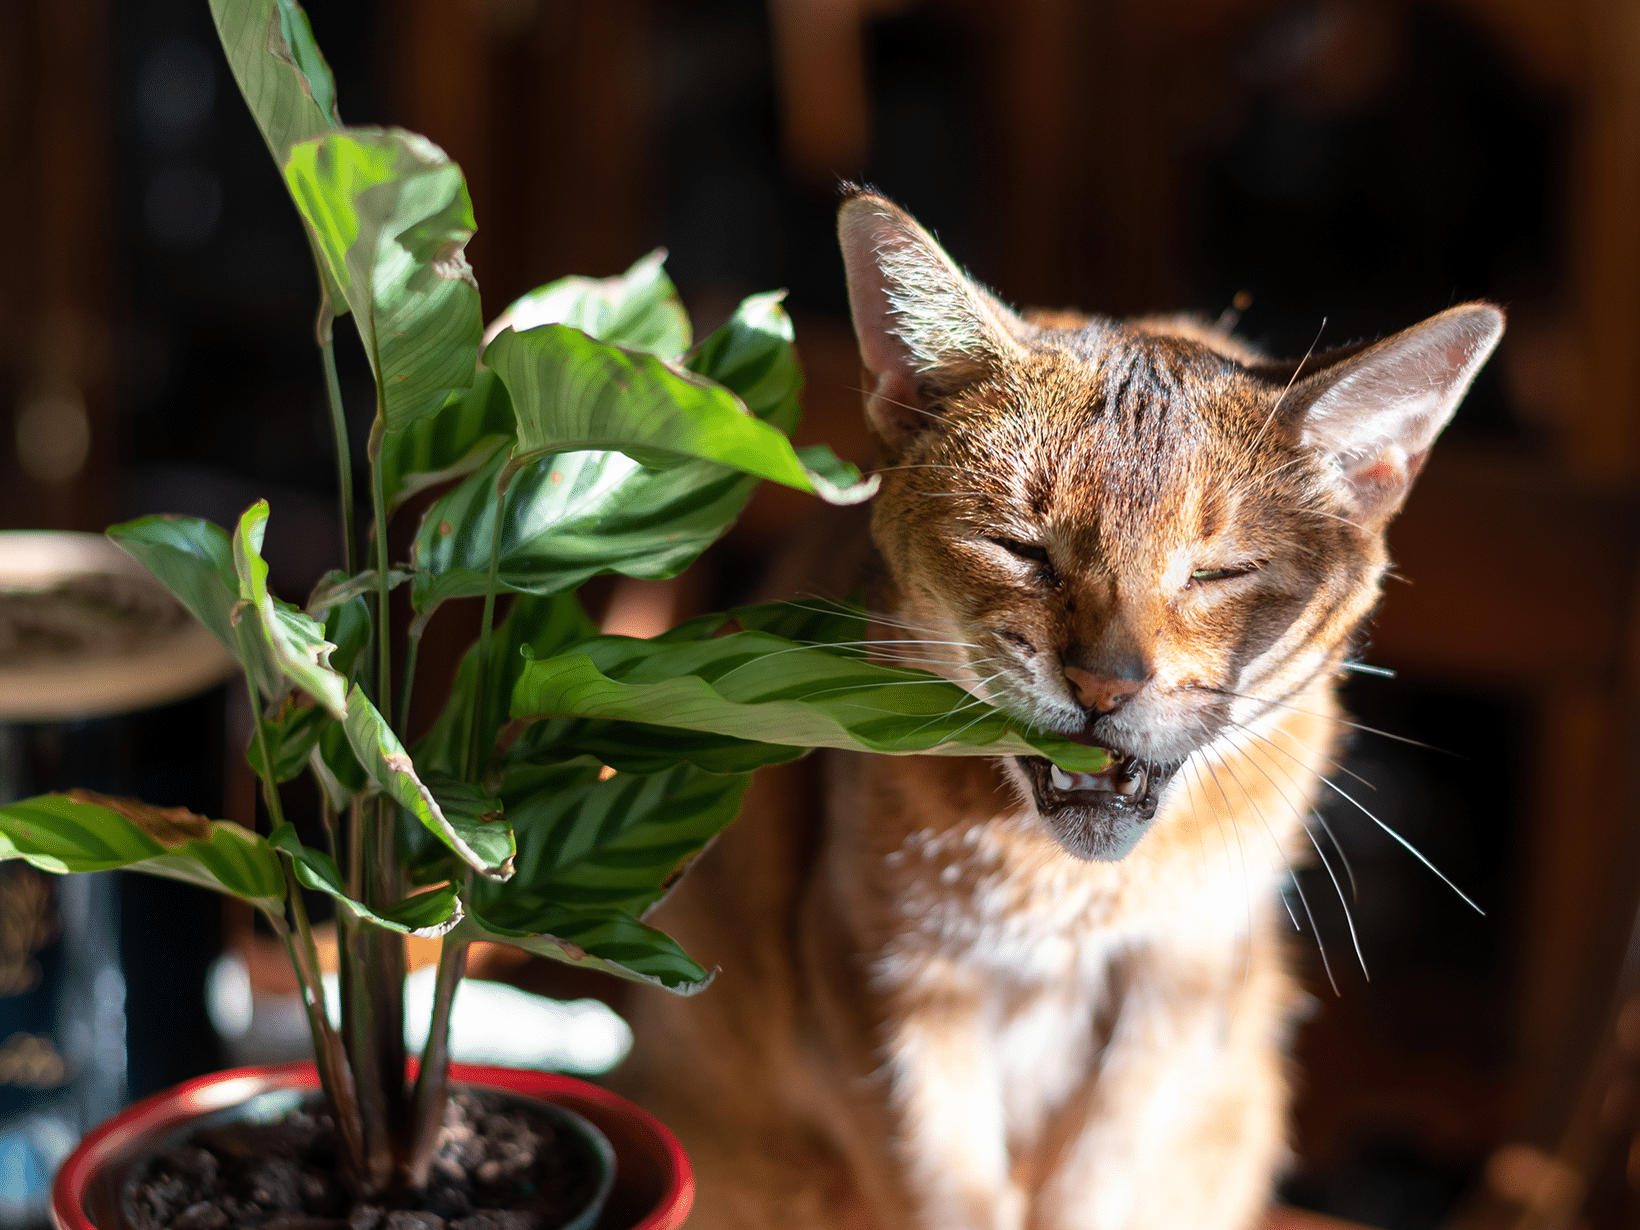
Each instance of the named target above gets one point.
<point>955,996</point>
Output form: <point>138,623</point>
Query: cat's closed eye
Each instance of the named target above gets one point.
<point>1202,575</point>
<point>1024,550</point>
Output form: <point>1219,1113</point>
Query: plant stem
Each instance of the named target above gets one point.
<point>328,1055</point>
<point>338,425</point>
<point>270,787</point>
<point>384,627</point>
<point>409,682</point>
<point>384,972</point>
<point>359,1039</point>
<point>433,1080</point>
<point>475,765</point>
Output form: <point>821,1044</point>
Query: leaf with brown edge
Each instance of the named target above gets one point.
<point>84,831</point>
<point>486,848</point>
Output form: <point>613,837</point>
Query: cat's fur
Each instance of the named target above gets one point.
<point>954,994</point>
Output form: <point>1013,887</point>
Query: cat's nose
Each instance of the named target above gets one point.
<point>1102,693</point>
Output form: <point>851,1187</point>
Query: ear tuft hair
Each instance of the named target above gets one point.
<point>924,327</point>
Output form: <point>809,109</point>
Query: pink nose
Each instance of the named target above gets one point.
<point>1097,691</point>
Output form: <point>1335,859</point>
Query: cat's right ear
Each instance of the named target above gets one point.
<point>925,328</point>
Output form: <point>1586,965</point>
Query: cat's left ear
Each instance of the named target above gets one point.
<point>1379,411</point>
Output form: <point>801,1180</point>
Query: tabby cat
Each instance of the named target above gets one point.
<point>966,994</point>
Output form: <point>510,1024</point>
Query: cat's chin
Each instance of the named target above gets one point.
<point>1098,817</point>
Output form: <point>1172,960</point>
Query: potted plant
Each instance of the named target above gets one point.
<point>571,776</point>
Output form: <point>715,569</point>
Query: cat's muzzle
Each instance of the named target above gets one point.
<point>1098,816</point>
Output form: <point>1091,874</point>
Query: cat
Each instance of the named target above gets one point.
<point>974,994</point>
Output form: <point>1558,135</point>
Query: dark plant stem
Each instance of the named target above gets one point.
<point>475,763</point>
<point>328,1055</point>
<point>433,1080</point>
<point>338,425</point>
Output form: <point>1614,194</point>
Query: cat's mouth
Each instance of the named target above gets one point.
<point>1098,816</point>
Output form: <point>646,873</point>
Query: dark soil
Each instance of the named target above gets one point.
<point>500,1166</point>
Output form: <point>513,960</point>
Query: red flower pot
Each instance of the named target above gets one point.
<point>654,1186</point>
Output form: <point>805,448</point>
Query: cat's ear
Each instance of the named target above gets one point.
<point>924,327</point>
<point>1378,411</point>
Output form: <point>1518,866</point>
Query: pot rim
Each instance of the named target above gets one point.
<point>117,1137</point>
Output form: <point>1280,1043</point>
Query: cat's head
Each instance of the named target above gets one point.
<point>1140,535</point>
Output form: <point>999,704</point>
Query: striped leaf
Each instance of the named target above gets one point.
<point>459,437</point>
<point>752,355</point>
<point>617,844</point>
<point>485,847</point>
<point>760,687</point>
<point>548,626</point>
<point>194,560</point>
<point>336,768</point>
<point>82,831</point>
<point>390,215</point>
<point>292,729</point>
<point>577,515</point>
<point>427,915</point>
<point>284,79</point>
<point>296,642</point>
<point>639,309</point>
<point>613,943</point>
<point>571,392</point>
<point>636,747</point>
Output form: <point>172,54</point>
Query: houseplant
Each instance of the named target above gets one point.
<point>571,776</point>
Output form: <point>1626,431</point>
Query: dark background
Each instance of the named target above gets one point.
<point>1340,168</point>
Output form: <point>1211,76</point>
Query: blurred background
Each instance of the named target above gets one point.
<point>1324,171</point>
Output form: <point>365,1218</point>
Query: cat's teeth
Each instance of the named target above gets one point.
<point>1079,781</point>
<point>1131,781</point>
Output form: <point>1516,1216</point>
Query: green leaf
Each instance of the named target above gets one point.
<point>577,515</point>
<point>616,844</point>
<point>390,215</point>
<point>284,80</point>
<point>614,943</point>
<point>427,915</point>
<point>755,686</point>
<point>476,818</point>
<point>548,626</point>
<point>461,435</point>
<point>639,310</point>
<point>82,831</point>
<point>572,393</point>
<point>336,588</point>
<point>194,560</point>
<point>637,747</point>
<point>292,731</point>
<point>383,757</point>
<point>296,642</point>
<point>336,768</point>
<point>752,355</point>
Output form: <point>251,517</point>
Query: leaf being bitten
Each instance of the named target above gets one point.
<point>83,831</point>
<point>763,688</point>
